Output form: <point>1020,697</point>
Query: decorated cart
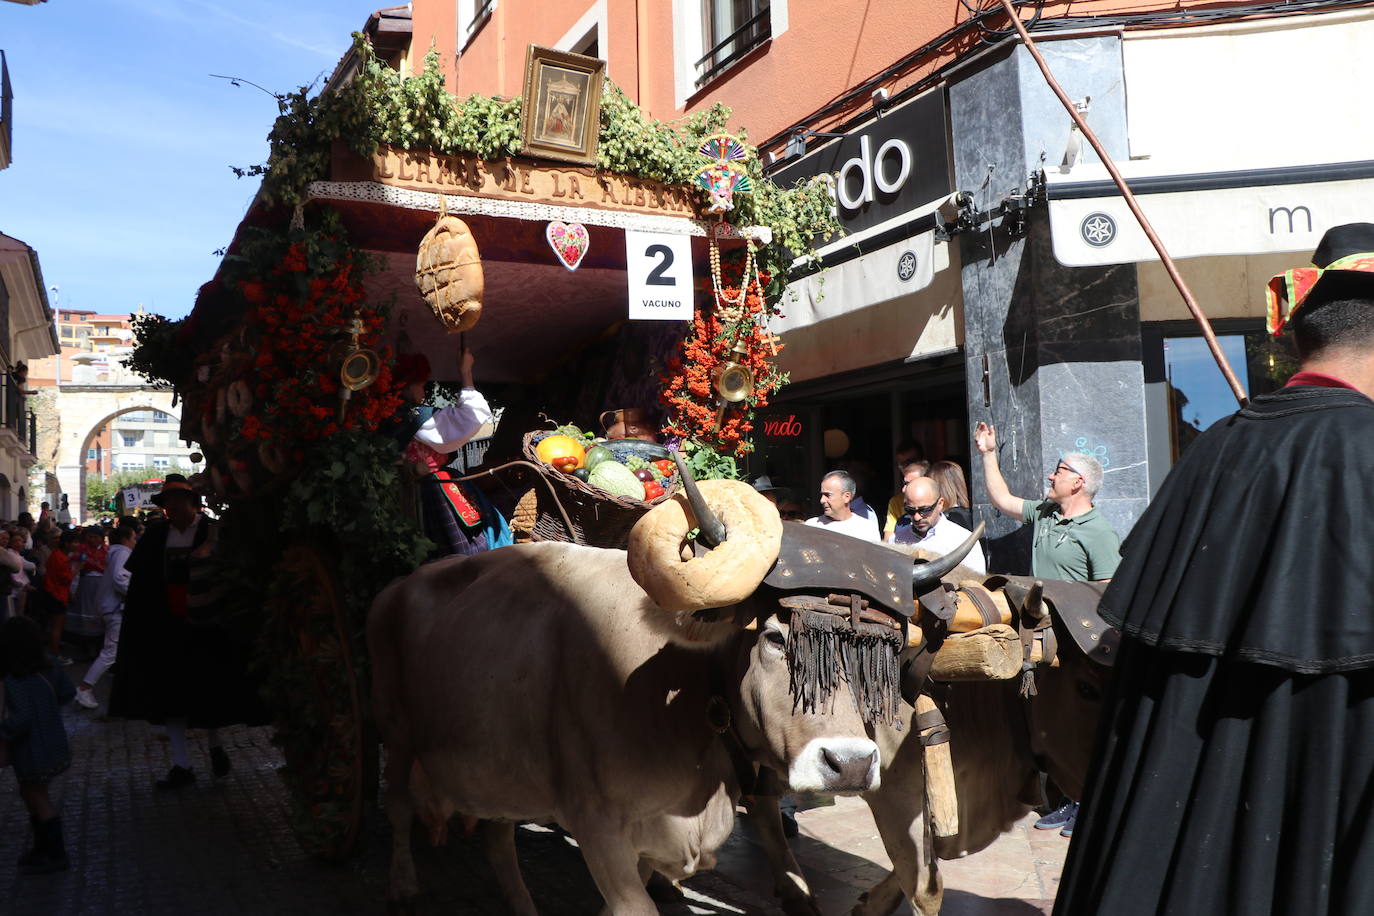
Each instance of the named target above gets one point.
<point>613,276</point>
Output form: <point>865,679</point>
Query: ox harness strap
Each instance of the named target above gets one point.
<point>843,637</point>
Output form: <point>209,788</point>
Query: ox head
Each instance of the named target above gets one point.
<point>814,678</point>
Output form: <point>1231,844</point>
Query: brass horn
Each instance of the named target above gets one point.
<point>925,576</point>
<point>711,529</point>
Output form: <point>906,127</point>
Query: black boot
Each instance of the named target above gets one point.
<point>52,852</point>
<point>34,852</point>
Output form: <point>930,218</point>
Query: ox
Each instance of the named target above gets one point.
<point>1000,742</point>
<point>552,682</point>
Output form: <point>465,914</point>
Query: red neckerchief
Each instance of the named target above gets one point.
<point>1319,380</point>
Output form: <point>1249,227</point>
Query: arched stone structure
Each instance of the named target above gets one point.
<point>84,409</point>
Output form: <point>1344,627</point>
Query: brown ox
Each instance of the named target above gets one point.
<point>542,683</point>
<point>996,738</point>
<point>1000,742</point>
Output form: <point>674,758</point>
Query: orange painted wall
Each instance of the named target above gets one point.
<point>828,48</point>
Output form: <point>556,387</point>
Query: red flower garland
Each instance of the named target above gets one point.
<point>294,339</point>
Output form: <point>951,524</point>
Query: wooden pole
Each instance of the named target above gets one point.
<point>1139,214</point>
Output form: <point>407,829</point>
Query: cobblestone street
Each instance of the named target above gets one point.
<point>226,848</point>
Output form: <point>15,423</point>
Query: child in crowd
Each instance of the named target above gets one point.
<point>33,736</point>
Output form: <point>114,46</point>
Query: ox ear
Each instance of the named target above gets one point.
<point>926,576</point>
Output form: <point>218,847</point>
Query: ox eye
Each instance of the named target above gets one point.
<point>775,638</point>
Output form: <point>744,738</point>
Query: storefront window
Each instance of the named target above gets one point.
<point>854,423</point>
<point>1193,394</point>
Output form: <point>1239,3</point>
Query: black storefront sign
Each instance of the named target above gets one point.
<point>891,166</point>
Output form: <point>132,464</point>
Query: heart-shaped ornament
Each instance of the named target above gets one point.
<point>569,241</point>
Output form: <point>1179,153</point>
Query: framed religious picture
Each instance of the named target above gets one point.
<point>561,117</point>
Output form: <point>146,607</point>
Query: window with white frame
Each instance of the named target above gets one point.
<point>162,463</point>
<point>712,37</point>
<point>472,15</point>
<point>730,29</point>
<point>130,462</point>
<point>131,438</point>
<point>92,454</point>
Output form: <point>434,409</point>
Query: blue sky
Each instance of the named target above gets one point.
<point>123,142</point>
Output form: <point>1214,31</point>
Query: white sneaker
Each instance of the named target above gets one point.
<point>86,697</point>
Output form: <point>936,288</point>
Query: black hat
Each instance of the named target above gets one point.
<point>175,483</point>
<point>1343,268</point>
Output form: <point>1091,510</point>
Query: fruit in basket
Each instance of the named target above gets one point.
<point>595,455</point>
<point>639,448</point>
<point>645,475</point>
<point>563,453</point>
<point>652,490</point>
<point>666,468</point>
<point>582,474</point>
<point>616,479</point>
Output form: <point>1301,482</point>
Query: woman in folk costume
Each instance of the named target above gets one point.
<point>457,518</point>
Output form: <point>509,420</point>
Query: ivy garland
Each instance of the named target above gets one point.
<point>383,106</point>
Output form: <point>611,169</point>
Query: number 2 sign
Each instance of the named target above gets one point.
<point>658,267</point>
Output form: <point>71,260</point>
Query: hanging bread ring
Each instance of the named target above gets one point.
<point>240,398</point>
<point>272,458</point>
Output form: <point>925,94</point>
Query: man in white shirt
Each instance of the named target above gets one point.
<point>924,525</point>
<point>837,492</point>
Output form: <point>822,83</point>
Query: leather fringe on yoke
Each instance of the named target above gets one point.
<point>823,649</point>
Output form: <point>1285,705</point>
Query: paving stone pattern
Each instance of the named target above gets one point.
<point>225,848</point>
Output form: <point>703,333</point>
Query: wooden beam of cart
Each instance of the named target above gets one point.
<point>1139,214</point>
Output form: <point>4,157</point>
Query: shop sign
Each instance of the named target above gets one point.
<point>779,427</point>
<point>515,178</point>
<point>891,166</point>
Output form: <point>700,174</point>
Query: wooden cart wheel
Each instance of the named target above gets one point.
<point>329,772</point>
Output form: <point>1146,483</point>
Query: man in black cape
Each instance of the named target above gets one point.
<point>172,670</point>
<point>1234,768</point>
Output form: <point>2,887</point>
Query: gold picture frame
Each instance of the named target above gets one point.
<point>561,115</point>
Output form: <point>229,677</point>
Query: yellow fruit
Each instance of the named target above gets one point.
<point>562,452</point>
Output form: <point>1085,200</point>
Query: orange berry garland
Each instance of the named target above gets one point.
<point>689,382</point>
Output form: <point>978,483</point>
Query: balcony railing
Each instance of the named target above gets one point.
<point>752,33</point>
<point>484,8</point>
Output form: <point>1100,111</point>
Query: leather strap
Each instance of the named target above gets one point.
<point>983,602</point>
<point>931,727</point>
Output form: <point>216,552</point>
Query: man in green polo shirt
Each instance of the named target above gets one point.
<point>1072,539</point>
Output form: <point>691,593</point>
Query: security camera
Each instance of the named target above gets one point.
<point>880,97</point>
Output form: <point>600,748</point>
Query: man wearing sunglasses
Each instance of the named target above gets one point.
<point>923,524</point>
<point>1072,539</point>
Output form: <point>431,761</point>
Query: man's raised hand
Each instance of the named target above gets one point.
<point>985,437</point>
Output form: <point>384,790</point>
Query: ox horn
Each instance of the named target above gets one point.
<point>925,576</point>
<point>711,528</point>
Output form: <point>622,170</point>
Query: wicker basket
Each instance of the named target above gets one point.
<point>598,518</point>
